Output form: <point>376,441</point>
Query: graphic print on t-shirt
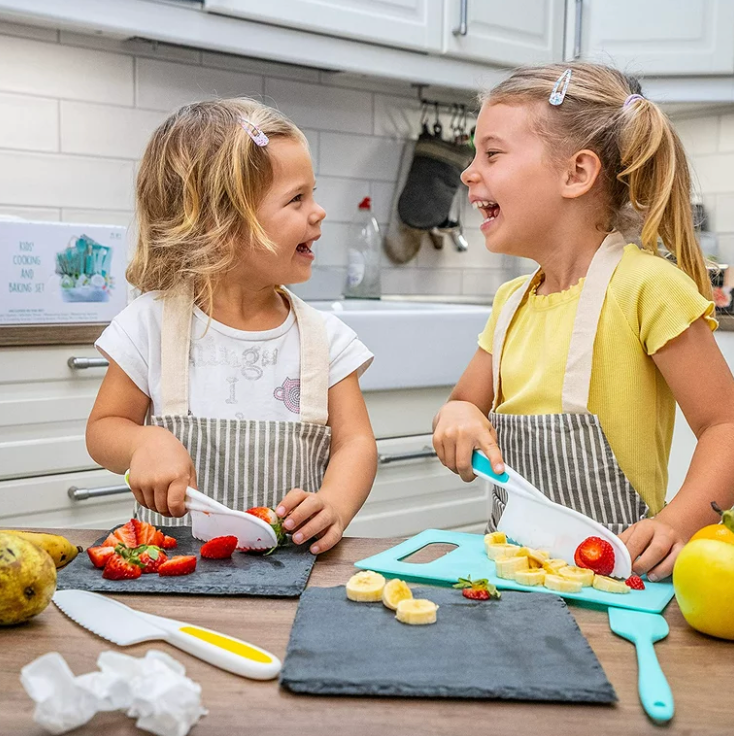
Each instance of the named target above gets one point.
<point>251,361</point>
<point>290,394</point>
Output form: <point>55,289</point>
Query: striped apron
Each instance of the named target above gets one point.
<point>567,456</point>
<point>246,463</point>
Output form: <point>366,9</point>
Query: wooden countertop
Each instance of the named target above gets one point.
<point>699,670</point>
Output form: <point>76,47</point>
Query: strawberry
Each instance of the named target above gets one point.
<point>122,565</point>
<point>111,541</point>
<point>168,542</point>
<point>477,590</point>
<point>635,582</point>
<point>147,534</point>
<point>127,534</point>
<point>219,548</point>
<point>595,554</point>
<point>178,565</point>
<point>99,555</point>
<point>152,557</point>
<point>269,516</point>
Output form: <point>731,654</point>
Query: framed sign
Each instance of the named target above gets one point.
<point>61,273</point>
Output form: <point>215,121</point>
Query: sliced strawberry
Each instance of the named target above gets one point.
<point>99,555</point>
<point>122,565</point>
<point>151,557</point>
<point>477,590</point>
<point>635,582</point>
<point>178,565</point>
<point>595,554</point>
<point>111,541</point>
<point>219,548</point>
<point>168,542</point>
<point>269,516</point>
<point>147,534</point>
<point>126,534</point>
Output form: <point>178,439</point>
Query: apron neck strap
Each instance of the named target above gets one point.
<point>176,345</point>
<point>577,379</point>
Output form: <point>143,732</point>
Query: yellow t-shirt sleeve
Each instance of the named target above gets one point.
<point>503,294</point>
<point>661,301</point>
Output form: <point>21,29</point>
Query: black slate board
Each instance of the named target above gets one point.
<point>526,646</point>
<point>282,574</point>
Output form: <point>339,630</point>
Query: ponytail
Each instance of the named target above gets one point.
<point>656,174</point>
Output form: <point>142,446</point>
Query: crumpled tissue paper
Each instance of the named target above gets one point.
<point>154,689</point>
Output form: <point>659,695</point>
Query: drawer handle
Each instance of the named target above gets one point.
<point>82,363</point>
<point>462,28</point>
<point>81,494</point>
<point>398,456</point>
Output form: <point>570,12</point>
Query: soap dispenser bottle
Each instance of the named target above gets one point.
<point>363,256</point>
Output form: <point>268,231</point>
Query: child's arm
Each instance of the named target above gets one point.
<point>160,467</point>
<point>702,384</point>
<point>461,425</point>
<point>349,475</point>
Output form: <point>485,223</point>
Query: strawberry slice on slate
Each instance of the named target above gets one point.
<point>219,548</point>
<point>100,554</point>
<point>178,565</point>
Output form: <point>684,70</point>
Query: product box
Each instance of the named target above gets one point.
<point>61,272</point>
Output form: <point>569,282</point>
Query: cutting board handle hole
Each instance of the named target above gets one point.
<point>429,553</point>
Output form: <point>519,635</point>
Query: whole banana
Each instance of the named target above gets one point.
<point>61,550</point>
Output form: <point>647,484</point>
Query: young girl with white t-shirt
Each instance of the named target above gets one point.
<point>219,377</point>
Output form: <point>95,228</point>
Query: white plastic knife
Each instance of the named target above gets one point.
<point>530,518</point>
<point>123,625</point>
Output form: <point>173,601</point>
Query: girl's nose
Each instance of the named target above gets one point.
<point>317,215</point>
<point>469,175</point>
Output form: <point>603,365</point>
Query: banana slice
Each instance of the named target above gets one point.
<point>495,538</point>
<point>508,566</point>
<point>530,577</point>
<point>416,611</point>
<point>394,592</point>
<point>553,565</point>
<point>582,574</point>
<point>536,557</point>
<point>610,585</point>
<point>562,585</point>
<point>365,586</point>
<point>495,551</point>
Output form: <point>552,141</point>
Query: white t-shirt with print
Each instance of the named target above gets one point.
<point>233,374</point>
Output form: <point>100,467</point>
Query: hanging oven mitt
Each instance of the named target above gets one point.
<point>433,180</point>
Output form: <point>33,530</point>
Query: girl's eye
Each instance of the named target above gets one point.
<point>297,198</point>
<point>491,154</point>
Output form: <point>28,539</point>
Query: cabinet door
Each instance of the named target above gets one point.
<point>508,34</point>
<point>411,24</point>
<point>665,37</point>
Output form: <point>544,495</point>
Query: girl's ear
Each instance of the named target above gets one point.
<point>581,174</point>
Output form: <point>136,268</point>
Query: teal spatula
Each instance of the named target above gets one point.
<point>643,630</point>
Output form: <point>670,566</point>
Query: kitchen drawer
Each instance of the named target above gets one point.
<point>44,405</point>
<point>405,412</point>
<point>45,502</point>
<point>410,495</point>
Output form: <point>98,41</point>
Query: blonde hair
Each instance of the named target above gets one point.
<point>199,186</point>
<point>644,166</point>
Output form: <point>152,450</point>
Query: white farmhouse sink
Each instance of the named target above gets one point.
<point>416,344</point>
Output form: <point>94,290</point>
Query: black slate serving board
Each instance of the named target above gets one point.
<point>526,646</point>
<point>282,574</point>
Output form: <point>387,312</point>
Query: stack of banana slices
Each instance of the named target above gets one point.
<point>370,587</point>
<point>533,567</point>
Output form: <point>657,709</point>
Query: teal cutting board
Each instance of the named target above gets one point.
<point>470,558</point>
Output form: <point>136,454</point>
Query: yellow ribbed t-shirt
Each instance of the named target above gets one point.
<point>649,302</point>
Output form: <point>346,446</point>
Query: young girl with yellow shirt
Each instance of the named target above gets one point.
<point>580,365</point>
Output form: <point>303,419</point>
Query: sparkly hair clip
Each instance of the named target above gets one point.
<point>631,99</point>
<point>560,88</point>
<point>258,137</point>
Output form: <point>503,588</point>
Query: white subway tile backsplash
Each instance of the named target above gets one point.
<point>726,132</point>
<point>714,173</point>
<point>340,197</point>
<point>29,123</point>
<point>383,195</point>
<point>698,135</point>
<point>482,281</point>
<point>133,46</point>
<point>37,33</point>
<point>367,84</point>
<point>163,85</point>
<point>331,248</point>
<point>49,214</point>
<point>98,217</point>
<point>53,180</point>
<point>407,280</point>
<point>325,108</point>
<point>104,130</point>
<point>359,156</point>
<point>313,144</point>
<point>55,70</point>
<point>723,222</point>
<point>259,66</point>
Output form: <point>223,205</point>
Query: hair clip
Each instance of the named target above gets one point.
<point>560,88</point>
<point>631,99</point>
<point>259,138</point>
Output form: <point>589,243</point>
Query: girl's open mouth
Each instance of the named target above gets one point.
<point>490,210</point>
<point>305,249</point>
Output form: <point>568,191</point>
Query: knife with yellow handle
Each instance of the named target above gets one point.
<point>123,625</point>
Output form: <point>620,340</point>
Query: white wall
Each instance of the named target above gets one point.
<point>76,112</point>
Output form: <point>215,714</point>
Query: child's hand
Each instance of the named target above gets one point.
<point>653,546</point>
<point>460,429</point>
<point>311,515</point>
<point>160,471</point>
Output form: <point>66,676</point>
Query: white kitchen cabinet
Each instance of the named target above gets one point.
<point>659,37</point>
<point>502,33</point>
<point>410,24</point>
